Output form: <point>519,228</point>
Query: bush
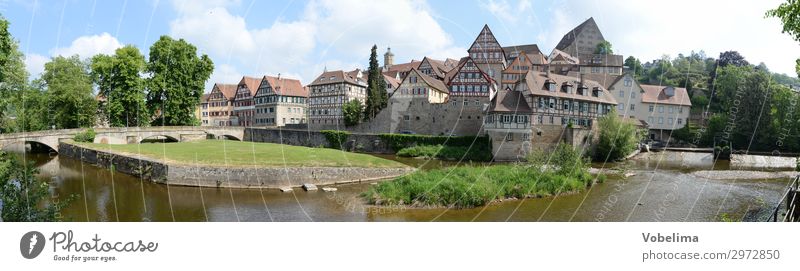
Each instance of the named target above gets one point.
<point>26,198</point>
<point>87,136</point>
<point>352,112</point>
<point>467,187</point>
<point>564,159</point>
<point>336,139</point>
<point>474,148</point>
<point>446,152</point>
<point>617,138</point>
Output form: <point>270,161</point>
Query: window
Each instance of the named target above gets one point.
<point>628,82</point>
<point>406,117</point>
<point>680,110</point>
<point>671,109</point>
<point>649,120</point>
<point>620,107</point>
<point>660,120</point>
<point>651,108</point>
<point>509,137</point>
<point>680,121</point>
<point>526,137</point>
<point>633,94</point>
<point>632,107</point>
<point>660,109</point>
<point>622,94</point>
<point>669,121</point>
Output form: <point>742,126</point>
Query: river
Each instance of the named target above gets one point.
<point>668,193</point>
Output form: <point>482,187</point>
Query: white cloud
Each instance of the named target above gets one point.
<point>325,34</point>
<point>88,46</point>
<point>34,63</point>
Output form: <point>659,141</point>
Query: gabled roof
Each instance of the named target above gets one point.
<point>535,82</point>
<point>228,90</point>
<point>286,86</point>
<point>558,55</point>
<point>339,76</point>
<point>448,78</point>
<point>430,81</point>
<point>485,31</point>
<point>657,95</point>
<point>450,63</point>
<point>570,36</point>
<point>509,101</point>
<point>402,67</point>
<point>604,79</point>
<point>392,82</point>
<point>531,50</point>
<point>522,59</point>
<point>438,66</point>
<point>204,98</point>
<point>251,83</point>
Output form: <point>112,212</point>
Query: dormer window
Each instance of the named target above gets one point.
<point>582,90</point>
<point>566,88</point>
<point>551,86</point>
<point>597,92</point>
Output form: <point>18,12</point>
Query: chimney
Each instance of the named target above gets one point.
<point>279,76</point>
<point>547,70</point>
<point>581,76</point>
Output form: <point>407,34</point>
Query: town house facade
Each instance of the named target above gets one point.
<point>280,101</point>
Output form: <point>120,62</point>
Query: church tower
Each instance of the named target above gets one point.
<point>388,58</point>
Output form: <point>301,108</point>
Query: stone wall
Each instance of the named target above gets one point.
<point>218,176</point>
<point>137,166</point>
<point>360,142</point>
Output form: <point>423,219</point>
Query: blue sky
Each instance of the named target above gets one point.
<point>301,38</point>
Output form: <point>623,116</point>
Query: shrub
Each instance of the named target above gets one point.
<point>336,139</point>
<point>617,138</point>
<point>352,112</point>
<point>447,152</point>
<point>86,136</point>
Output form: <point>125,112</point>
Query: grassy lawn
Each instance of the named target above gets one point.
<point>237,153</point>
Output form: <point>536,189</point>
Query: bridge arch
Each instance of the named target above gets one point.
<point>155,138</point>
<point>35,146</point>
<point>223,136</point>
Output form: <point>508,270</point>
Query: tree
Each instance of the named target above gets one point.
<point>118,78</point>
<point>731,58</point>
<point>7,45</point>
<point>352,112</point>
<point>789,13</point>
<point>603,48</point>
<point>23,195</point>
<point>69,92</point>
<point>376,87</point>
<point>617,138</point>
<point>13,76</point>
<point>634,65</point>
<point>177,78</point>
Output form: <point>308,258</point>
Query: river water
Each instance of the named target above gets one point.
<point>658,192</point>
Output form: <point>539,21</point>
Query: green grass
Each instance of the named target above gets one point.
<point>447,152</point>
<point>468,187</point>
<point>237,153</point>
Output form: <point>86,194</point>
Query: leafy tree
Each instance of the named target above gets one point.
<point>731,58</point>
<point>789,14</point>
<point>745,94</point>
<point>177,78</point>
<point>119,80</point>
<point>352,112</point>
<point>604,48</point>
<point>13,76</point>
<point>30,109</point>
<point>635,65</point>
<point>376,87</point>
<point>617,138</point>
<point>23,195</point>
<point>7,45</point>
<point>69,92</point>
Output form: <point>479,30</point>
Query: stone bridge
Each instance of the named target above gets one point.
<point>125,135</point>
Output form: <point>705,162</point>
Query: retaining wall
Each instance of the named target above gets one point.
<point>214,176</point>
<point>360,142</point>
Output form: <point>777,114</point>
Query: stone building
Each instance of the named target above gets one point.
<point>280,101</point>
<point>243,106</point>
<point>663,108</point>
<point>582,39</point>
<point>578,47</point>
<point>508,124</point>
<point>220,104</point>
<point>203,110</point>
<point>328,92</point>
<point>470,89</point>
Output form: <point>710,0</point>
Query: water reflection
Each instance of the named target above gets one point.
<point>670,193</point>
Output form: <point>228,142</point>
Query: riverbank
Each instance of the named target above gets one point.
<point>293,173</point>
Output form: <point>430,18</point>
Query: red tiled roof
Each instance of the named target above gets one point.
<point>286,86</point>
<point>657,94</point>
<point>251,83</point>
<point>338,77</point>
<point>509,101</point>
<point>405,66</point>
<point>536,86</point>
<point>228,90</point>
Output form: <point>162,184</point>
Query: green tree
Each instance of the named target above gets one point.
<point>634,65</point>
<point>69,92</point>
<point>118,78</point>
<point>29,108</point>
<point>352,112</point>
<point>604,48</point>
<point>177,78</point>
<point>7,45</point>
<point>13,76</point>
<point>376,87</point>
<point>617,138</point>
<point>789,14</point>
<point>24,197</point>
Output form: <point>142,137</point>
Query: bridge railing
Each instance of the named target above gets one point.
<point>787,209</point>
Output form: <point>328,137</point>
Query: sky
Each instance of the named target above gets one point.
<point>300,39</point>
